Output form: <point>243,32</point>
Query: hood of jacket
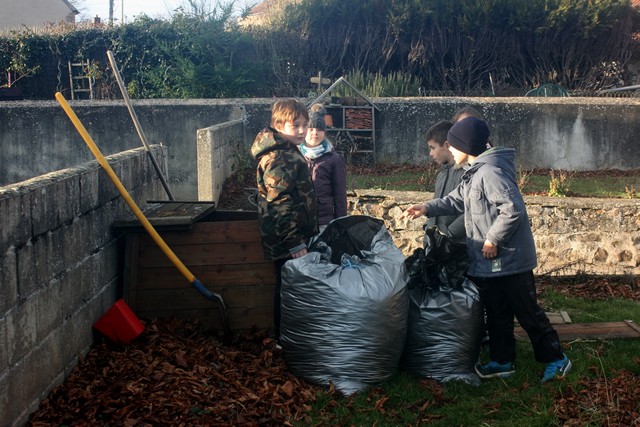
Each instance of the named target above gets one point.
<point>267,140</point>
<point>503,158</point>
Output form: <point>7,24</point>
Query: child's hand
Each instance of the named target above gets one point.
<point>300,253</point>
<point>489,250</point>
<point>415,211</point>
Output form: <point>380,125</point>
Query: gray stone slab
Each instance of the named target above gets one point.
<point>49,310</point>
<point>75,288</point>
<point>42,367</point>
<point>27,270</point>
<point>4,356</point>
<point>21,331</point>
<point>12,397</point>
<point>8,281</point>
<point>16,220</point>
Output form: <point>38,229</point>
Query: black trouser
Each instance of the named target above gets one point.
<point>515,295</point>
<point>277,313</point>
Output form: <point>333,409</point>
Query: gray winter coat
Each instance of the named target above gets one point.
<point>450,225</point>
<point>493,209</point>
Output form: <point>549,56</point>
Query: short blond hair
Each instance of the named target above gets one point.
<point>287,110</point>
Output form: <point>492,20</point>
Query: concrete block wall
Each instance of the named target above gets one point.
<point>60,271</point>
<point>36,137</point>
<point>547,133</point>
<point>555,133</point>
<point>219,147</point>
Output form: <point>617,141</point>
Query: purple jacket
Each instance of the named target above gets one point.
<point>329,176</point>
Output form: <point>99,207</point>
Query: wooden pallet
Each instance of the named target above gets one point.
<point>602,330</point>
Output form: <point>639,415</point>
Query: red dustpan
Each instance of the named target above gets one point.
<point>119,324</point>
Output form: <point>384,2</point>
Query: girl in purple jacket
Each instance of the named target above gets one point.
<point>328,170</point>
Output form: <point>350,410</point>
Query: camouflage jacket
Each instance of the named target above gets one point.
<point>287,207</point>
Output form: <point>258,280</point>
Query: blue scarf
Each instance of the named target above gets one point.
<point>313,153</point>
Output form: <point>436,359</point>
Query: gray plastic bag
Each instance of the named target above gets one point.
<point>346,323</point>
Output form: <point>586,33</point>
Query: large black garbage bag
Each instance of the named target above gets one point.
<point>345,323</point>
<point>445,322</point>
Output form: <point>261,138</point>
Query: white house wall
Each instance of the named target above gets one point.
<point>35,13</point>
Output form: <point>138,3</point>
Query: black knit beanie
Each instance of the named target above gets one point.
<point>316,117</point>
<point>469,135</point>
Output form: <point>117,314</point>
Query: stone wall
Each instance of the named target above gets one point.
<point>573,235</point>
<point>60,271</point>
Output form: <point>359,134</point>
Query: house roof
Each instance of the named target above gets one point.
<point>261,8</point>
<point>71,7</point>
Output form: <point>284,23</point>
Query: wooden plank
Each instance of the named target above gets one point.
<point>241,315</point>
<point>238,274</point>
<point>565,317</point>
<point>131,269</point>
<point>558,318</point>
<point>210,232</point>
<point>188,298</point>
<point>170,214</point>
<point>633,325</point>
<point>222,215</point>
<point>318,80</point>
<point>206,254</point>
<point>603,330</point>
<point>239,318</point>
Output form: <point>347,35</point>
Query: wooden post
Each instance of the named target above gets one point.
<point>320,81</point>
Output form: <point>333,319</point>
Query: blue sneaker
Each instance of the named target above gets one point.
<point>557,368</point>
<point>495,369</point>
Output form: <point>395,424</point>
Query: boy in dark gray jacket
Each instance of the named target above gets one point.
<point>447,179</point>
<point>501,250</point>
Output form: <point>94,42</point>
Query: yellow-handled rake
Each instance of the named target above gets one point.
<point>143,219</point>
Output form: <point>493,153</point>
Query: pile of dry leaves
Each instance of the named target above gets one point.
<point>593,288</point>
<point>174,374</point>
<point>613,401</point>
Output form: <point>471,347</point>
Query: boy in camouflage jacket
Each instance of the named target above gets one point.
<point>287,207</point>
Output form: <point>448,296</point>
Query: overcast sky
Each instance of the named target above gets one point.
<point>131,8</point>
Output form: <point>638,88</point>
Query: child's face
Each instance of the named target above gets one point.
<point>314,137</point>
<point>440,153</point>
<point>459,157</point>
<point>295,131</point>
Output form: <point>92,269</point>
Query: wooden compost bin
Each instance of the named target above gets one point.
<point>221,248</point>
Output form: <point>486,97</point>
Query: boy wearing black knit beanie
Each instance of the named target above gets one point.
<point>501,249</point>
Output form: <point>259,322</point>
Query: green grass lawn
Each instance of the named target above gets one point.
<point>590,395</point>
<point>586,186</point>
<point>620,184</point>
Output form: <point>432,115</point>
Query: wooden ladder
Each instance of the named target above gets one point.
<point>80,81</point>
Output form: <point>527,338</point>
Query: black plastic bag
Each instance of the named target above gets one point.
<point>349,235</point>
<point>445,321</point>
